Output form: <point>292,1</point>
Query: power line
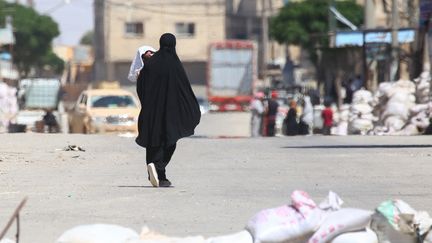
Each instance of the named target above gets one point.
<point>159,11</point>
<point>145,7</point>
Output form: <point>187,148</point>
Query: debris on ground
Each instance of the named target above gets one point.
<point>301,221</point>
<point>73,148</point>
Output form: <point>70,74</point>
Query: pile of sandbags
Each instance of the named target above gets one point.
<point>403,107</point>
<point>393,104</point>
<point>302,221</point>
<point>421,112</point>
<point>361,119</point>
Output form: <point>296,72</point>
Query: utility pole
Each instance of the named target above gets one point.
<point>332,26</point>
<point>264,39</point>
<point>395,42</point>
<point>99,66</point>
<point>369,18</point>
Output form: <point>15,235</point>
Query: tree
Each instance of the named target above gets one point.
<point>305,23</point>
<point>33,38</point>
<point>87,38</point>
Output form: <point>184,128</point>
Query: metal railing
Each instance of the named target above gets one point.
<point>15,216</point>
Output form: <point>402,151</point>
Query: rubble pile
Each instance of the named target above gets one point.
<point>301,221</point>
<point>361,118</point>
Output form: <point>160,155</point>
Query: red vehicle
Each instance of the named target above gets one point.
<point>231,75</point>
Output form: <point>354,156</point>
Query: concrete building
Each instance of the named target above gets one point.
<point>196,23</point>
<point>380,15</point>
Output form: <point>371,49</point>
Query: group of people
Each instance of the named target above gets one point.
<point>303,125</point>
<point>298,120</point>
<point>264,112</point>
<point>298,125</point>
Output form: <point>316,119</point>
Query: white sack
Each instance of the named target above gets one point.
<point>384,89</point>
<point>408,130</point>
<point>98,233</point>
<point>342,221</point>
<point>401,96</point>
<point>360,126</point>
<point>397,109</point>
<point>361,109</point>
<point>418,108</point>
<point>423,85</point>
<point>341,129</point>
<point>149,236</point>
<point>407,85</point>
<point>240,237</point>
<point>394,123</point>
<point>288,222</point>
<point>364,236</point>
<point>362,96</point>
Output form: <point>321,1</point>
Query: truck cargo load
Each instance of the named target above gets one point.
<point>231,74</point>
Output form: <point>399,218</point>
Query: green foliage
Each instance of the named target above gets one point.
<point>87,38</point>
<point>51,63</point>
<point>33,35</point>
<point>306,24</point>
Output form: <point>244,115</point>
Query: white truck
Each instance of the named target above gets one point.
<point>231,74</point>
<point>36,96</point>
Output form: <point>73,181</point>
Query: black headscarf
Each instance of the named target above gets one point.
<point>169,108</point>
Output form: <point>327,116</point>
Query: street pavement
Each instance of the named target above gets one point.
<point>220,181</point>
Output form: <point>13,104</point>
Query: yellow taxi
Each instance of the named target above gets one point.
<point>105,111</point>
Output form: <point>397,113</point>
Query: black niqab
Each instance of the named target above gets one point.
<point>169,108</point>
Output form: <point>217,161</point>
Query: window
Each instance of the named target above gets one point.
<point>185,29</point>
<point>134,29</point>
<point>83,99</point>
<point>112,101</point>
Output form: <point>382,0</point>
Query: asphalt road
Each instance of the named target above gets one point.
<point>219,183</point>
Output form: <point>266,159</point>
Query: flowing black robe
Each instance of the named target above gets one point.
<point>169,108</point>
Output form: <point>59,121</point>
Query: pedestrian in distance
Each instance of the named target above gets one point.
<point>306,120</point>
<point>327,116</point>
<point>290,121</point>
<point>169,108</point>
<point>257,111</point>
<point>271,111</point>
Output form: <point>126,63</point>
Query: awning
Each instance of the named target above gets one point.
<point>355,38</point>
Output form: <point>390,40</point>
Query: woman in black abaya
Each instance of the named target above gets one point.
<point>169,108</point>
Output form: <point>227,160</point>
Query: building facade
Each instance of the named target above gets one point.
<point>196,24</point>
<point>131,24</point>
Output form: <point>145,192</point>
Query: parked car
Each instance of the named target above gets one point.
<point>105,110</point>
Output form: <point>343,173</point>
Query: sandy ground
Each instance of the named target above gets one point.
<point>218,183</point>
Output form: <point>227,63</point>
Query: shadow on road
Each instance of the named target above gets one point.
<point>372,146</point>
<point>136,187</point>
<point>148,187</point>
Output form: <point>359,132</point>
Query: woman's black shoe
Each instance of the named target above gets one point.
<point>164,183</point>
